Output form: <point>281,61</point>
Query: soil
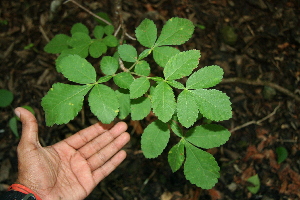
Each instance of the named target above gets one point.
<point>256,42</point>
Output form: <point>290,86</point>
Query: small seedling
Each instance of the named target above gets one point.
<point>6,98</point>
<point>177,104</point>
<point>282,154</point>
<point>256,184</point>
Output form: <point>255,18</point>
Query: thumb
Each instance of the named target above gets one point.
<point>29,139</point>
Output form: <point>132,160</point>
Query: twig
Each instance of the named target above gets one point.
<point>256,122</point>
<point>44,34</point>
<point>98,17</point>
<point>262,83</point>
<point>118,16</point>
<point>117,31</point>
<point>88,11</point>
<point>122,65</point>
<point>147,180</point>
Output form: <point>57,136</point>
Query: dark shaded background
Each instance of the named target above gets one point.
<point>262,73</point>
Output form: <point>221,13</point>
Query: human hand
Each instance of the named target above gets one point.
<point>71,168</point>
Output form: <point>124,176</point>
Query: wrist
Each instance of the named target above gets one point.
<point>23,189</point>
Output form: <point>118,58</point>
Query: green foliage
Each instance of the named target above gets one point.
<point>256,184</point>
<point>282,154</point>
<point>13,126</point>
<point>179,97</point>
<point>200,167</point>
<point>6,97</point>
<point>80,43</point>
<point>146,33</point>
<point>104,103</point>
<point>176,156</point>
<point>155,139</point>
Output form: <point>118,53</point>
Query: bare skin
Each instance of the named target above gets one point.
<point>69,169</point>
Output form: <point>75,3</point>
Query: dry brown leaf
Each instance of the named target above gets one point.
<point>166,196</point>
<point>137,126</point>
<point>247,173</point>
<point>269,154</point>
<point>252,153</point>
<point>214,194</point>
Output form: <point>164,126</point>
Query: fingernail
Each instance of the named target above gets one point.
<point>17,113</point>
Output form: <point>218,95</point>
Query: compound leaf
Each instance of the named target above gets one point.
<point>123,80</point>
<point>77,69</point>
<point>97,48</point>
<point>6,97</point>
<point>163,101</point>
<point>182,64</point>
<point>79,28</point>
<point>176,156</point>
<point>187,109</point>
<point>144,54</point>
<point>80,43</point>
<point>176,84</point>
<point>104,79</point>
<point>146,33</point>
<point>163,54</point>
<point>111,41</point>
<point>98,32</point>
<point>79,39</point>
<point>176,31</point>
<point>104,103</point>
<point>174,124</point>
<point>139,87</point>
<point>124,101</point>
<point>213,104</point>
<point>154,139</point>
<point>127,53</point>
<point>208,135</point>
<point>109,65</point>
<point>142,68</point>
<point>157,79</point>
<point>140,108</point>
<point>200,167</point>
<point>109,29</point>
<point>63,102</point>
<point>57,44</point>
<point>205,77</point>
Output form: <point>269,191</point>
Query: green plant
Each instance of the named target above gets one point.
<point>6,98</point>
<point>177,104</point>
<point>254,180</point>
<point>282,154</point>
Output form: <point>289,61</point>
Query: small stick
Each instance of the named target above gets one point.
<point>88,11</point>
<point>44,34</point>
<point>122,65</point>
<point>96,16</point>
<point>256,122</point>
<point>262,83</point>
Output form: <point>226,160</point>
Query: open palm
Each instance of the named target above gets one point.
<point>69,169</point>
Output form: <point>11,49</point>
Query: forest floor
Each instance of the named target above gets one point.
<point>256,42</point>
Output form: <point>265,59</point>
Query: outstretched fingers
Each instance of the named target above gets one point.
<point>102,172</point>
<point>102,140</point>
<point>84,136</point>
<point>104,155</point>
